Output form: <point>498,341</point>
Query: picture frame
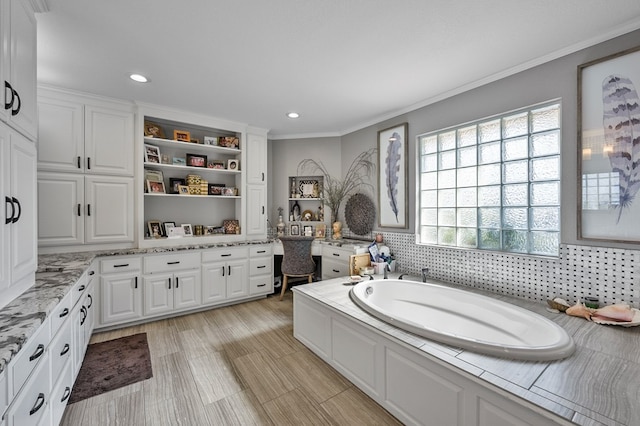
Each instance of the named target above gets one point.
<point>210,230</point>
<point>155,187</point>
<point>182,135</point>
<point>166,226</point>
<point>175,183</point>
<point>187,229</point>
<point>608,205</point>
<point>179,161</point>
<point>392,177</point>
<point>153,130</point>
<point>294,229</point>
<point>216,164</point>
<point>175,232</point>
<point>196,160</point>
<point>229,191</point>
<point>155,229</point>
<point>151,154</point>
<point>233,165</point>
<point>307,230</point>
<point>321,230</point>
<point>183,190</point>
<point>215,188</point>
<point>153,175</point>
<point>211,140</point>
<point>229,142</point>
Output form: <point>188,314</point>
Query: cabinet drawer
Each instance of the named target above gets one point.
<point>260,266</point>
<point>32,403</point>
<point>336,253</point>
<point>60,394</point>
<point>4,393</point>
<point>261,250</point>
<point>224,254</point>
<point>333,269</point>
<point>60,313</point>
<point>60,351</point>
<point>120,264</point>
<point>32,353</point>
<point>261,285</point>
<point>171,262</point>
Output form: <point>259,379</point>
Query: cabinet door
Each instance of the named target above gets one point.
<point>5,21</point>
<point>60,135</point>
<point>214,282</point>
<point>21,74</point>
<point>256,159</point>
<point>256,206</point>
<point>5,234</point>
<point>24,255</point>
<point>60,209</point>
<point>108,141</point>
<point>109,209</point>
<point>237,279</point>
<point>120,298</point>
<point>158,294</point>
<point>187,291</point>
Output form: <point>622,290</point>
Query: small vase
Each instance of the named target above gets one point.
<point>337,230</point>
<point>280,226</point>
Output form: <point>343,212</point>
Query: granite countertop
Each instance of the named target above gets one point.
<point>55,276</point>
<point>598,385</point>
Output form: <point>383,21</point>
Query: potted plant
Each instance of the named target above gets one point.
<point>336,190</point>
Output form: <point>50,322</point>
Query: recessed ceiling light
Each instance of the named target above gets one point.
<point>293,115</point>
<point>139,78</point>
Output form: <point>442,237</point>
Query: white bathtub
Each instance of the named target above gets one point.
<point>464,319</point>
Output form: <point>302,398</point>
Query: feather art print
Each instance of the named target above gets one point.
<point>392,168</point>
<point>621,123</point>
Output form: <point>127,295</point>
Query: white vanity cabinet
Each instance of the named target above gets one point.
<point>18,250</point>
<point>18,48</point>
<point>171,283</point>
<point>120,290</point>
<point>224,274</point>
<point>335,261</point>
<point>260,269</point>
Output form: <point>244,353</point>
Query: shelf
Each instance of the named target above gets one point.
<point>219,197</point>
<point>306,199</point>
<point>196,147</point>
<point>191,168</point>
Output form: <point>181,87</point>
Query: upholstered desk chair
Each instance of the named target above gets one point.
<point>296,260</point>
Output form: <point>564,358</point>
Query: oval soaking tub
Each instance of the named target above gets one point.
<point>464,319</point>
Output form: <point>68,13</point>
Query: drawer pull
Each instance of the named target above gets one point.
<point>225,255</point>
<point>261,251</point>
<point>262,266</point>
<point>229,270</point>
<point>122,265</point>
<point>169,283</point>
<point>336,254</point>
<point>91,273</point>
<point>38,405</point>
<point>177,282</point>
<point>136,282</point>
<point>335,270</point>
<point>64,312</point>
<point>65,349</point>
<point>79,162</point>
<point>66,395</point>
<point>261,285</point>
<point>81,288</point>
<point>90,300</point>
<point>38,353</point>
<point>175,262</point>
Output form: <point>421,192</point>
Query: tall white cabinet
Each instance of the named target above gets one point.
<point>256,183</point>
<point>86,170</point>
<point>18,251</point>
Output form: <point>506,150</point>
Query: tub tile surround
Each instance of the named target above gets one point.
<point>610,274</point>
<point>599,384</point>
<point>55,276</point>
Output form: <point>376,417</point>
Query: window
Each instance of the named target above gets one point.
<point>493,184</point>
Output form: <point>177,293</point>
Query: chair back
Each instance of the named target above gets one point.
<point>297,259</point>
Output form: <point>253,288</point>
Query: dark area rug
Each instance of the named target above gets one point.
<point>111,365</point>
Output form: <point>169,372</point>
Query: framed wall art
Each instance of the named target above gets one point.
<point>609,148</point>
<point>392,176</point>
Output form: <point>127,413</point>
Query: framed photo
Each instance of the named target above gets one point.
<point>167,226</point>
<point>307,230</point>
<point>216,164</point>
<point>194,160</point>
<point>216,188</point>
<point>175,232</point>
<point>233,165</point>
<point>321,230</point>
<point>210,230</point>
<point>229,141</point>
<point>179,161</point>
<point>294,229</point>
<point>229,192</point>
<point>608,158</point>
<point>392,176</point>
<point>153,130</point>
<point>153,175</point>
<point>211,140</point>
<point>195,140</point>
<point>187,229</point>
<point>155,187</point>
<point>182,135</point>
<point>183,190</point>
<point>174,184</point>
<point>155,229</point>
<point>151,154</point>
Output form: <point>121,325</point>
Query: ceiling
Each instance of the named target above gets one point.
<point>342,64</point>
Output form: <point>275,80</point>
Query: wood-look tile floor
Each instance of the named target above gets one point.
<point>237,365</point>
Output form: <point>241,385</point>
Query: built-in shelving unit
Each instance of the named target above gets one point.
<point>306,205</point>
